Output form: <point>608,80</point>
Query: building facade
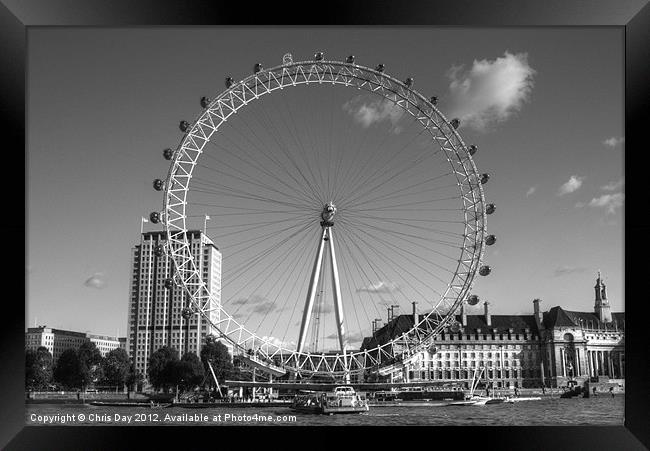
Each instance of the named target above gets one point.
<point>57,340</point>
<point>545,348</point>
<point>155,317</point>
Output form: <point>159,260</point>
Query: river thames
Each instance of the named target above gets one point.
<point>601,410</point>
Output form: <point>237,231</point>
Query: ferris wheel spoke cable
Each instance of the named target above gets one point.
<point>363,177</point>
<point>345,250</point>
<point>401,252</point>
<point>288,269</point>
<point>352,173</point>
<point>385,257</point>
<point>302,262</point>
<point>348,281</point>
<point>232,297</point>
<point>243,195</point>
<point>360,223</point>
<point>304,187</point>
<point>256,241</point>
<point>316,189</point>
<point>266,170</point>
<point>418,245</point>
<point>258,224</point>
<point>281,144</point>
<point>404,222</point>
<point>254,164</point>
<point>406,188</point>
<point>375,182</point>
<point>212,188</point>
<point>383,200</point>
<point>273,234</point>
<point>248,179</point>
<point>360,268</point>
<point>219,237</point>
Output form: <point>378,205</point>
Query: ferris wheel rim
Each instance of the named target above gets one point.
<point>310,72</point>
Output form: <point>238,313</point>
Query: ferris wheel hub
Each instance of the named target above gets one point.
<point>329,210</point>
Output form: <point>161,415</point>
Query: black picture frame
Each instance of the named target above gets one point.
<point>16,18</point>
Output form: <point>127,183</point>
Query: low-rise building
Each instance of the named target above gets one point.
<point>545,348</point>
<point>58,340</point>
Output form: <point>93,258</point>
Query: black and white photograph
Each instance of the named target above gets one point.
<point>325,226</point>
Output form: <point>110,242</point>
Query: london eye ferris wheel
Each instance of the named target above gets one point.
<point>335,193</point>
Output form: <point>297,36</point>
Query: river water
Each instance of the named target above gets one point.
<point>551,410</point>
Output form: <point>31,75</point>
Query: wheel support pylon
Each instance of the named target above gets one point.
<point>326,236</point>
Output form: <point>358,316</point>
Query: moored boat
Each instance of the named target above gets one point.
<point>342,400</point>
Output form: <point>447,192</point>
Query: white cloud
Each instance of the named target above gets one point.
<point>279,343</point>
<point>380,287</point>
<point>380,110</point>
<point>610,202</point>
<point>612,186</point>
<point>572,185</point>
<point>256,304</point>
<point>352,338</point>
<point>566,270</point>
<point>490,91</point>
<point>613,141</point>
<point>531,191</point>
<point>97,280</point>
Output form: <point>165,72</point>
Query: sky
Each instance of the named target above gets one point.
<point>544,106</point>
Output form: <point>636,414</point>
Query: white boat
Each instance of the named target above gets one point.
<point>478,400</point>
<point>342,400</point>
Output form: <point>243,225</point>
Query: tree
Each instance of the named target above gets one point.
<point>116,367</point>
<point>161,368</point>
<point>66,371</point>
<point>134,378</point>
<point>90,360</point>
<point>217,354</point>
<point>189,371</point>
<point>38,369</point>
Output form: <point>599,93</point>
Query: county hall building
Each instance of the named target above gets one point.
<point>545,348</point>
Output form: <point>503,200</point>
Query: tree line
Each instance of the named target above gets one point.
<point>84,367</point>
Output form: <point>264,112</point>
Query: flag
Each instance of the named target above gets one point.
<point>207,217</point>
<point>145,219</point>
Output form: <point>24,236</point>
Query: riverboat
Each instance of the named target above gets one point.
<point>342,400</point>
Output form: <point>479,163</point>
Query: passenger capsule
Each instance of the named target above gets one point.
<point>158,185</point>
<point>472,149</point>
<point>168,154</point>
<point>473,300</point>
<point>186,312</point>
<point>485,270</point>
<point>434,100</point>
<point>158,251</point>
<point>379,68</point>
<point>490,208</point>
<point>229,82</point>
<point>350,59</point>
<point>258,68</point>
<point>155,217</point>
<point>432,350</point>
<point>490,240</point>
<point>169,284</point>
<point>455,327</point>
<point>455,123</point>
<point>184,126</point>
<point>205,101</point>
<point>319,56</point>
<point>484,178</point>
<point>408,82</point>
